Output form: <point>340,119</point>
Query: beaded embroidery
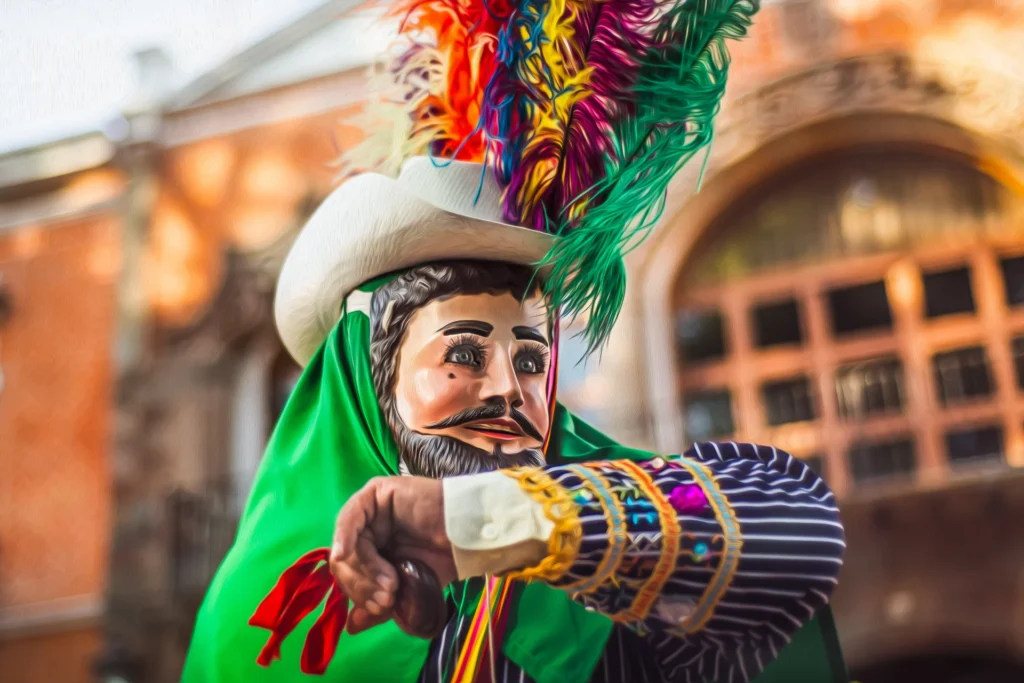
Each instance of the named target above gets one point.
<point>616,520</point>
<point>670,542</point>
<point>564,543</point>
<point>732,547</point>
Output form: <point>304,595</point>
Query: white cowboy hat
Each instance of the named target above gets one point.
<point>373,225</point>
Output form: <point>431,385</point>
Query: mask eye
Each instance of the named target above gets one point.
<point>532,360</point>
<point>465,351</point>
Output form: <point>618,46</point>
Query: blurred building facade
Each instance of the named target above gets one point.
<point>848,284</point>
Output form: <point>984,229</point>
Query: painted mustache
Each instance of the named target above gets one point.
<point>490,411</point>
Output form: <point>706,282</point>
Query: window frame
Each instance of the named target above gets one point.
<point>914,339</point>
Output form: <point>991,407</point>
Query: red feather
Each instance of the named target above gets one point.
<point>451,59</point>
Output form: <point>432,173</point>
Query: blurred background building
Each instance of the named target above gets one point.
<point>848,284</point>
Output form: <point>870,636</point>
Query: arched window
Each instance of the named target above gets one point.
<point>863,310</point>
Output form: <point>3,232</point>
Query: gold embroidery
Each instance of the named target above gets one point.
<point>733,546</point>
<point>615,517</point>
<point>564,542</point>
<point>671,537</point>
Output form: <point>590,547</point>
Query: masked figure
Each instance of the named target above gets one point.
<point>425,310</point>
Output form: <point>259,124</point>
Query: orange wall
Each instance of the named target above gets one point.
<point>241,191</point>
<point>55,658</point>
<point>55,410</point>
<point>791,37</point>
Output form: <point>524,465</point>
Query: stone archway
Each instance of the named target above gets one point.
<point>881,98</point>
<point>907,594</point>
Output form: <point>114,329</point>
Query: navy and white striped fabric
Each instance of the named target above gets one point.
<point>752,566</point>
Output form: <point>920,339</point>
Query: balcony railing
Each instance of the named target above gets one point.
<point>203,524</point>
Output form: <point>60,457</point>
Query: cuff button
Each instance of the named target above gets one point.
<point>489,532</point>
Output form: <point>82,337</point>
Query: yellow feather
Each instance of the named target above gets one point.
<point>554,71</point>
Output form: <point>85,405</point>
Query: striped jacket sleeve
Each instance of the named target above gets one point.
<point>717,556</point>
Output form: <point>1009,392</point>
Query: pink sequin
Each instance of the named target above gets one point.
<point>688,499</point>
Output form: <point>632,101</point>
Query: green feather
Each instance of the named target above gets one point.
<point>679,89</point>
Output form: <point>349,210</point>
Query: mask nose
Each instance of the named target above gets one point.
<point>502,383</point>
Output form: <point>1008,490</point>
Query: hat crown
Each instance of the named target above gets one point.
<point>373,224</point>
<point>460,187</point>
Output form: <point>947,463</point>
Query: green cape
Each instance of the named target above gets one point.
<point>331,439</point>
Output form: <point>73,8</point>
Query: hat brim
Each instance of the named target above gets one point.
<point>368,227</point>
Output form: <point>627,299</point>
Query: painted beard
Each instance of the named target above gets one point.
<point>436,456</point>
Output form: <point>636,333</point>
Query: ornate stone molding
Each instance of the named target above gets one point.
<point>173,434</point>
<point>967,95</point>
<point>55,159</point>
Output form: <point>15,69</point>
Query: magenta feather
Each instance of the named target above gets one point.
<point>622,32</point>
<point>546,171</point>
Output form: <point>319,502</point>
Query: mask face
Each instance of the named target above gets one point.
<point>471,384</point>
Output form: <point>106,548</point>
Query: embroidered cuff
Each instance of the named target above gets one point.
<point>559,508</point>
<point>493,524</point>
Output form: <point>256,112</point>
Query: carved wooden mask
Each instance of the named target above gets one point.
<point>462,357</point>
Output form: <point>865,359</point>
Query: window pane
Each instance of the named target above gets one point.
<point>816,463</point>
<point>948,292</point>
<point>859,308</point>
<point>709,414</point>
<point>1018,360</point>
<point>974,445</point>
<point>883,460</point>
<point>701,336</point>
<point>872,387</point>
<point>1013,279</point>
<point>962,375</point>
<point>777,323</point>
<point>788,401</point>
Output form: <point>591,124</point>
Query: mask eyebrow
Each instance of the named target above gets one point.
<point>530,333</point>
<point>478,327</point>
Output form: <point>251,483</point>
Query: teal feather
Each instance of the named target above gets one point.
<point>678,91</point>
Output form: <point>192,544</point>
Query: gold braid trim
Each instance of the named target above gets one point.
<point>731,552</point>
<point>671,539</point>
<point>559,507</point>
<point>615,518</point>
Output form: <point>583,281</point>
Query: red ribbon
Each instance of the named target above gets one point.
<point>300,589</point>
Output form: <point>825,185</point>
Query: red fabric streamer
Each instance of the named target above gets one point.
<point>300,589</point>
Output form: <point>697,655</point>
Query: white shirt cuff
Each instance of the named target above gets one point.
<point>494,526</point>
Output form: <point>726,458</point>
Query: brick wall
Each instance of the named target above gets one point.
<point>55,413</point>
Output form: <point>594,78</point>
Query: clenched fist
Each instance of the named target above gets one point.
<point>392,557</point>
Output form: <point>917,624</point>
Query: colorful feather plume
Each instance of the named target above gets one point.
<point>429,99</point>
<point>677,91</point>
<point>565,126</point>
<point>453,53</point>
<point>584,109</point>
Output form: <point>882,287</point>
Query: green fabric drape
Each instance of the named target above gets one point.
<point>331,439</point>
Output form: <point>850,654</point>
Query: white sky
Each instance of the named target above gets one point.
<point>66,65</point>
